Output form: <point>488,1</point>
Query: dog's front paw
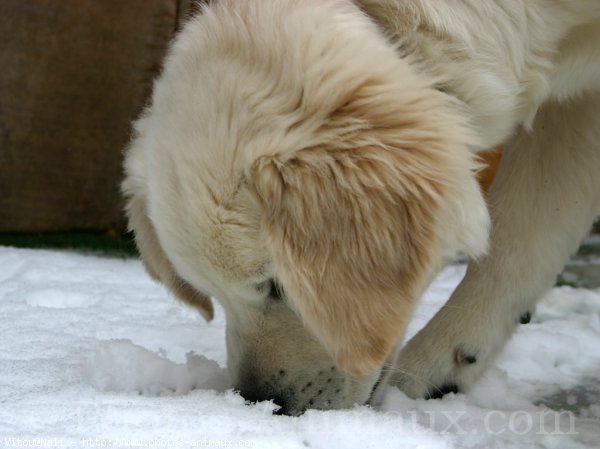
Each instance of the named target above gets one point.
<point>431,371</point>
<point>449,355</point>
<point>427,369</point>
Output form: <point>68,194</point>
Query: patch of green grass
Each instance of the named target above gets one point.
<point>81,241</point>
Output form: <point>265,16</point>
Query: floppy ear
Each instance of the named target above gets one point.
<point>155,260</point>
<point>357,227</point>
<point>349,242</point>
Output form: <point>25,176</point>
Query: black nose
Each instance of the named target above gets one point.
<point>284,398</point>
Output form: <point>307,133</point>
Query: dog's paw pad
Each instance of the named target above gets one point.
<point>525,318</point>
<point>438,393</point>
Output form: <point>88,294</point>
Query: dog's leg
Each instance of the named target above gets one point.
<point>546,195</point>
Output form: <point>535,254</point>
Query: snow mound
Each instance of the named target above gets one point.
<point>55,298</point>
<point>121,366</point>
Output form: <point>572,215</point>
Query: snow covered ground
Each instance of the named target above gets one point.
<point>94,354</point>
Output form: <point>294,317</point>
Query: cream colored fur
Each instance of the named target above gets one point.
<point>331,145</point>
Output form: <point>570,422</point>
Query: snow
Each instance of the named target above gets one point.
<point>94,354</point>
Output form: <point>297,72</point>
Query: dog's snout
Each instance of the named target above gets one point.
<point>284,398</point>
<point>284,402</point>
<point>294,394</point>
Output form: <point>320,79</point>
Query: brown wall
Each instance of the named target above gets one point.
<point>73,74</point>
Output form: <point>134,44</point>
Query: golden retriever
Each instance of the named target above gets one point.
<point>313,163</point>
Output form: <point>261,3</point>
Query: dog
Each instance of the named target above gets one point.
<point>312,165</point>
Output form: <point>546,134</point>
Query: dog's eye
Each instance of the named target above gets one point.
<point>276,291</point>
<point>271,289</point>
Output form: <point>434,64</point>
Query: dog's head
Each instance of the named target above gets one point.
<point>293,166</point>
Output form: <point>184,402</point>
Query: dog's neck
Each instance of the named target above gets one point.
<point>495,58</point>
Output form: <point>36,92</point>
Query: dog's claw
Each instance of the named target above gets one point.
<point>462,358</point>
<point>525,318</point>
